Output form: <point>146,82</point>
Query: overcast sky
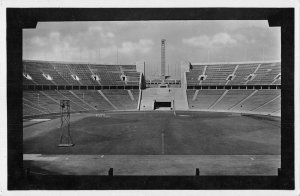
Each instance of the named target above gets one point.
<point>136,41</point>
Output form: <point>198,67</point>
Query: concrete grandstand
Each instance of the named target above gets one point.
<point>214,113</point>
<point>247,87</point>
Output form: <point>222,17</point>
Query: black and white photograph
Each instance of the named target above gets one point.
<point>88,106</point>
<point>150,98</point>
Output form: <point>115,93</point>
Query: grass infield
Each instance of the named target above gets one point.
<point>157,133</point>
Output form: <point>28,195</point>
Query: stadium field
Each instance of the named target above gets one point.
<point>219,143</point>
<point>156,133</point>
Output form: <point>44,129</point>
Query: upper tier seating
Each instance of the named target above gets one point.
<point>36,71</point>
<point>266,73</point>
<point>242,72</point>
<point>109,74</point>
<point>84,73</point>
<point>217,74</point>
<point>79,74</point>
<point>65,72</point>
<point>193,75</point>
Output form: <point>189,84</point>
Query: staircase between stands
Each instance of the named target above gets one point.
<point>164,99</point>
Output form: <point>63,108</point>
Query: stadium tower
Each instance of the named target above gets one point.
<point>163,60</point>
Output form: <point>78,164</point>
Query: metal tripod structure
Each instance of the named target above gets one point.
<point>65,138</point>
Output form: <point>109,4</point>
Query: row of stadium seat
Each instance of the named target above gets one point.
<point>61,74</point>
<point>267,101</point>
<point>46,102</point>
<point>217,74</point>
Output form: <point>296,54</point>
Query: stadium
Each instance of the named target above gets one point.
<point>216,119</point>
<point>219,119</point>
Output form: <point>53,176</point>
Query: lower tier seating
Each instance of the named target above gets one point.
<point>235,100</point>
<point>239,100</point>
<point>47,101</point>
<point>124,99</point>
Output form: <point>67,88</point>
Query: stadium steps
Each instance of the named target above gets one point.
<point>270,105</point>
<point>30,110</point>
<point>55,104</point>
<point>82,100</point>
<point>130,95</point>
<point>151,94</point>
<point>205,98</point>
<point>94,99</point>
<point>258,99</point>
<point>164,94</point>
<point>96,81</point>
<point>102,94</point>
<point>120,98</point>
<point>65,96</point>
<point>75,99</point>
<point>139,100</point>
<point>53,107</point>
<point>36,106</point>
<point>265,72</point>
<point>180,99</point>
<point>148,97</point>
<point>231,98</point>
<point>220,98</point>
<point>65,73</point>
<point>241,102</point>
<point>195,95</point>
